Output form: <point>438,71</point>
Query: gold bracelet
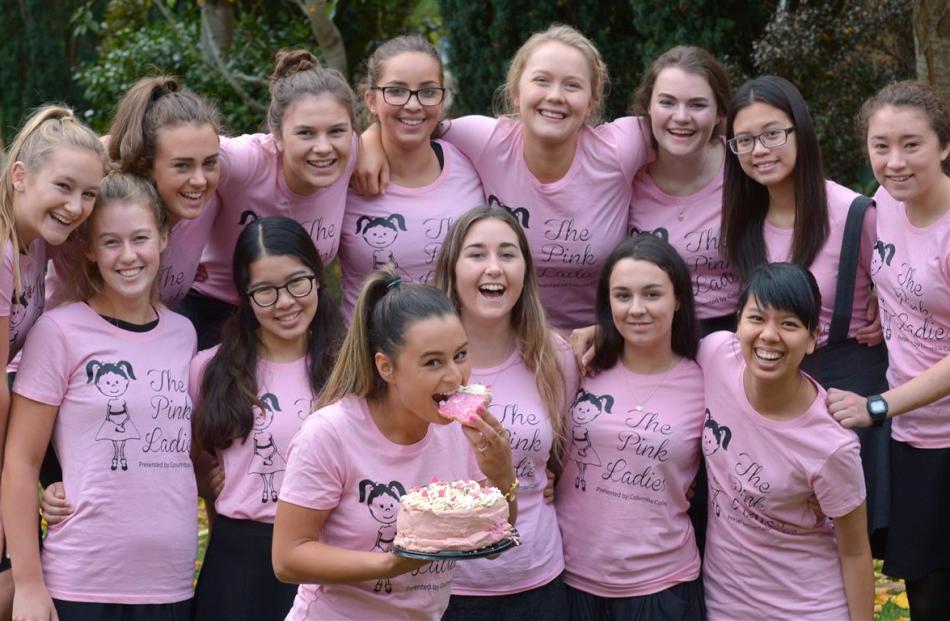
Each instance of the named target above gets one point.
<point>512,492</point>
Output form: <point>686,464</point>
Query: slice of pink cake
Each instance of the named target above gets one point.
<point>464,403</point>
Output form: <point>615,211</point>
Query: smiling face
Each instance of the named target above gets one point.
<point>185,170</point>
<point>710,445</point>
<point>584,412</point>
<point>50,201</point>
<point>431,365</point>
<point>490,271</point>
<point>126,246</point>
<point>262,418</point>
<point>379,235</point>
<point>409,126</point>
<point>905,152</point>
<point>773,341</point>
<point>683,112</point>
<point>112,384</point>
<point>775,167</point>
<point>642,304</point>
<point>384,509</point>
<point>554,96</point>
<point>286,322</point>
<point>315,142</point>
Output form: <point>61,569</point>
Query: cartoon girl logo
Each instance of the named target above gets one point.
<point>267,460</point>
<point>715,436</point>
<point>883,255</point>
<point>383,503</point>
<point>18,306</point>
<point>112,380</point>
<point>380,234</point>
<point>520,213</point>
<point>585,408</point>
<point>660,232</point>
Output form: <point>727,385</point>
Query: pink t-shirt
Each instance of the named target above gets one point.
<point>179,261</point>
<point>405,226</point>
<point>621,500</point>
<point>123,436</point>
<point>911,270</point>
<point>573,223</point>
<point>254,467</point>
<point>23,307</point>
<point>340,462</point>
<point>769,549</point>
<point>252,186</point>
<point>518,406</point>
<point>691,225</point>
<point>778,243</point>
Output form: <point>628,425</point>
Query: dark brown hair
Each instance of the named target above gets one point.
<point>149,106</point>
<point>229,385</point>
<point>910,94</point>
<point>297,73</point>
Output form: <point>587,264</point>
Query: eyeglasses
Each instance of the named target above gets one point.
<point>400,95</point>
<point>297,287</point>
<point>769,139</point>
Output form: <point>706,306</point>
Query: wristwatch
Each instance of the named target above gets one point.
<point>877,408</point>
<point>512,492</point>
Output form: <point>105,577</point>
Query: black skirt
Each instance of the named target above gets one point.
<point>547,602</point>
<point>919,539</point>
<point>680,602</point>
<point>85,611</point>
<point>237,581</point>
<point>206,315</point>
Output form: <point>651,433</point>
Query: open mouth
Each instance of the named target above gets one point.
<point>60,219</point>
<point>492,290</point>
<point>899,178</point>
<point>288,318</point>
<point>412,122</point>
<point>681,133</point>
<point>768,355</point>
<point>323,164</point>
<point>131,272</point>
<point>191,196</point>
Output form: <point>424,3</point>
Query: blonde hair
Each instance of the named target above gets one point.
<point>117,187</point>
<point>49,127</point>
<point>560,33</point>
<point>535,339</point>
<point>385,310</point>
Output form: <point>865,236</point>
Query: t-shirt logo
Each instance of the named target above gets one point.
<point>585,408</point>
<point>383,503</point>
<point>520,213</point>
<point>380,234</point>
<point>660,232</point>
<point>715,437</point>
<point>248,216</point>
<point>112,379</point>
<point>267,460</point>
<point>883,255</point>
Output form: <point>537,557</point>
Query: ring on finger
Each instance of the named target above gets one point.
<point>484,447</point>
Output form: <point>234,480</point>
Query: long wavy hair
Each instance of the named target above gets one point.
<point>229,389</point>
<point>535,339</point>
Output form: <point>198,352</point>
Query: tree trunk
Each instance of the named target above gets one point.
<point>932,43</point>
<point>326,33</point>
<point>217,27</point>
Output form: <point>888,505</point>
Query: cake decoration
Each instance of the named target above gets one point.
<point>464,403</point>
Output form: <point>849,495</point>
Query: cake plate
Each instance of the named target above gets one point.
<point>495,548</point>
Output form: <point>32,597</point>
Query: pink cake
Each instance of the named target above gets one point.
<point>464,403</point>
<point>457,516</point>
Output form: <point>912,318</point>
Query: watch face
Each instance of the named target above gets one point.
<point>877,407</point>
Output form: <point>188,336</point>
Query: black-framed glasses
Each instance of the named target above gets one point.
<point>770,138</point>
<point>298,287</point>
<point>400,95</point>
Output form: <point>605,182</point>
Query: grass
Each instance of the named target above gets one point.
<point>890,600</point>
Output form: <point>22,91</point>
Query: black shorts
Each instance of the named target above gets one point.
<point>681,602</point>
<point>547,602</point>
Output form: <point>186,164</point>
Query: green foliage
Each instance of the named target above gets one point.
<point>838,54</point>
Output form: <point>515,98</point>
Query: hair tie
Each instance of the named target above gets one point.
<point>393,282</point>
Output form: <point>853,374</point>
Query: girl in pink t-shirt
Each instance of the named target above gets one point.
<point>106,379</point>
<point>777,206</point>
<point>787,520</point>
<point>907,127</point>
<point>633,446</point>
<point>48,186</point>
<point>486,268</point>
<point>678,197</point>
<point>168,135</point>
<point>569,182</point>
<point>432,182</point>
<point>377,434</point>
<point>300,169</point>
<point>252,394</point>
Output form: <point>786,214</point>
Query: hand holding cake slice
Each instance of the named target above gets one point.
<point>463,404</point>
<point>457,516</point>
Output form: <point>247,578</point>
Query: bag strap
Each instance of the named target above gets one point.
<point>848,270</point>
